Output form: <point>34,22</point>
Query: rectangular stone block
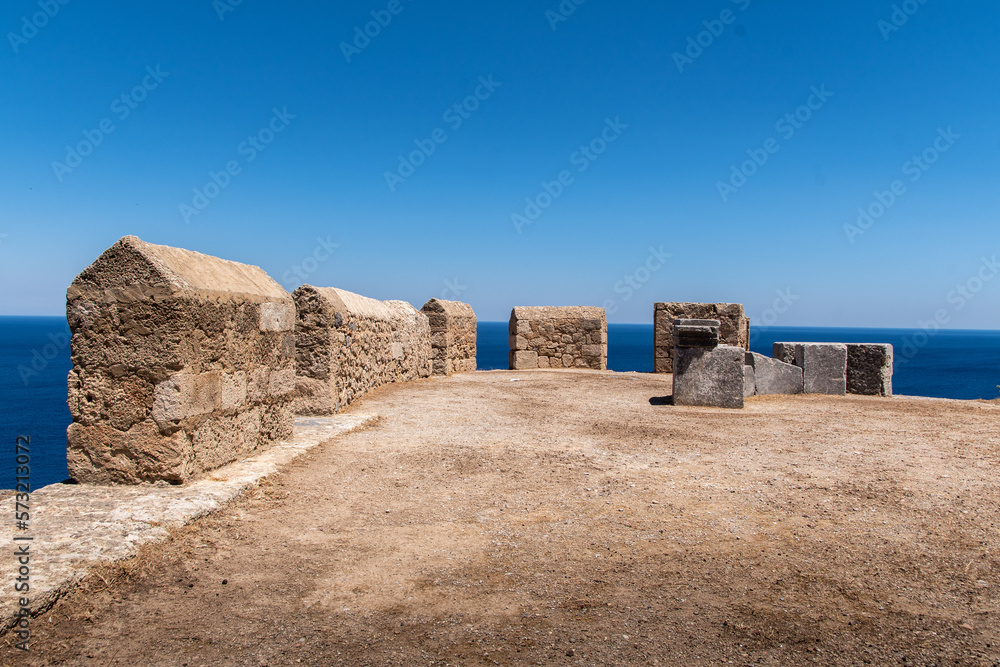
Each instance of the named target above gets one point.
<point>710,377</point>
<point>170,349</point>
<point>348,345</point>
<point>773,376</point>
<point>824,365</point>
<point>869,369</point>
<point>453,336</point>
<point>749,381</point>
<point>568,337</point>
<point>734,327</point>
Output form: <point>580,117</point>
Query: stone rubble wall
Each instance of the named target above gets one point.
<point>347,345</point>
<point>734,327</point>
<point>453,336</point>
<point>182,363</point>
<point>567,337</point>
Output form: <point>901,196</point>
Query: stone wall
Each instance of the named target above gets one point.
<point>734,327</point>
<point>453,336</point>
<point>182,363</point>
<point>570,337</point>
<point>347,345</point>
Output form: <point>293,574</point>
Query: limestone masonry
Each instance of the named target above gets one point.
<point>734,327</point>
<point>567,337</point>
<point>706,373</point>
<point>453,336</point>
<point>347,345</point>
<point>182,363</point>
<point>869,369</point>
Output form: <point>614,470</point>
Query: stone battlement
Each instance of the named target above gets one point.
<point>566,337</point>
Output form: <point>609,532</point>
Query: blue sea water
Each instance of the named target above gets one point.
<point>34,362</point>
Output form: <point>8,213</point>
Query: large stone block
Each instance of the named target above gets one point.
<point>869,369</point>
<point>348,344</point>
<point>453,336</point>
<point>734,327</point>
<point>772,376</point>
<point>711,377</point>
<point>167,345</point>
<point>824,365</point>
<point>570,337</point>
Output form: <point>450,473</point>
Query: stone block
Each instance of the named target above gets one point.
<point>710,377</point>
<point>824,365</point>
<point>734,327</point>
<point>869,369</point>
<point>167,345</point>
<point>773,376</point>
<point>453,336</point>
<point>353,344</point>
<point>570,337</point>
<point>749,381</point>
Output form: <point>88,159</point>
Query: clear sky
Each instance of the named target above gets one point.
<point>518,153</point>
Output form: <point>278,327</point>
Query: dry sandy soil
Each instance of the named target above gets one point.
<point>565,518</point>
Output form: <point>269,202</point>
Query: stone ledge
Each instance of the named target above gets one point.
<point>77,526</point>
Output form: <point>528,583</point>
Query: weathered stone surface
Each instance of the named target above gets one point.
<point>79,526</point>
<point>734,327</point>
<point>549,337</point>
<point>696,333</point>
<point>164,341</point>
<point>773,376</point>
<point>348,344</point>
<point>869,369</point>
<point>453,336</point>
<point>709,376</point>
<point>749,381</point>
<point>824,365</point>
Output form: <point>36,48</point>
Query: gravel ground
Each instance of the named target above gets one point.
<point>576,518</point>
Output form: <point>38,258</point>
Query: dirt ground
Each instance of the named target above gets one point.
<point>574,518</point>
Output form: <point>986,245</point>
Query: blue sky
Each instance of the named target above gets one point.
<point>708,151</point>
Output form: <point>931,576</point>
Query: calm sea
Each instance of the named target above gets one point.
<point>34,362</point>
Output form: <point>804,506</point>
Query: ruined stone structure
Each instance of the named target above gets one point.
<point>734,327</point>
<point>824,365</point>
<point>182,363</point>
<point>453,336</point>
<point>568,337</point>
<point>706,373</point>
<point>765,375</point>
<point>347,344</point>
<point>869,369</point>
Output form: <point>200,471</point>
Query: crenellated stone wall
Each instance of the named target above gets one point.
<point>453,336</point>
<point>347,345</point>
<point>567,337</point>
<point>734,327</point>
<point>182,362</point>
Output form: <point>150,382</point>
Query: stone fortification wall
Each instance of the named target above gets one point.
<point>734,327</point>
<point>347,344</point>
<point>568,337</point>
<point>453,336</point>
<point>182,363</point>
